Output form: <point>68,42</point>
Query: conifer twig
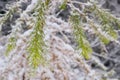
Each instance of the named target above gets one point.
<point>36,46</point>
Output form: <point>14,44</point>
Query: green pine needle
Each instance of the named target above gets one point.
<point>81,40</point>
<point>37,45</point>
<point>63,5</point>
<point>11,45</point>
<point>107,21</point>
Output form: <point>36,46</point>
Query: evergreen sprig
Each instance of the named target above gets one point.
<point>101,36</point>
<point>12,37</point>
<point>8,15</point>
<point>63,6</point>
<point>106,20</point>
<point>36,45</point>
<point>102,24</point>
<point>80,37</point>
<point>11,45</point>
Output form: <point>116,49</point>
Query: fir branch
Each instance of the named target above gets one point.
<point>81,40</point>
<point>106,20</point>
<point>101,36</point>
<point>8,15</point>
<point>37,45</point>
<point>63,5</point>
<point>11,45</point>
<point>12,37</point>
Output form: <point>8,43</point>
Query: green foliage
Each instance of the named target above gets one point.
<point>81,40</point>
<point>102,23</point>
<point>101,19</point>
<point>106,20</point>
<point>101,36</point>
<point>104,39</point>
<point>63,5</point>
<point>8,15</point>
<point>12,40</point>
<point>11,45</point>
<point>36,45</point>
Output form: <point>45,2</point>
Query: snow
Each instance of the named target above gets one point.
<point>64,62</point>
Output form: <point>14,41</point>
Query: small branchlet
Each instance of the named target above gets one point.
<point>12,38</point>
<point>101,36</point>
<point>8,15</point>
<point>106,20</point>
<point>104,29</point>
<point>36,45</point>
<point>63,5</point>
<point>80,37</point>
<point>11,45</point>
